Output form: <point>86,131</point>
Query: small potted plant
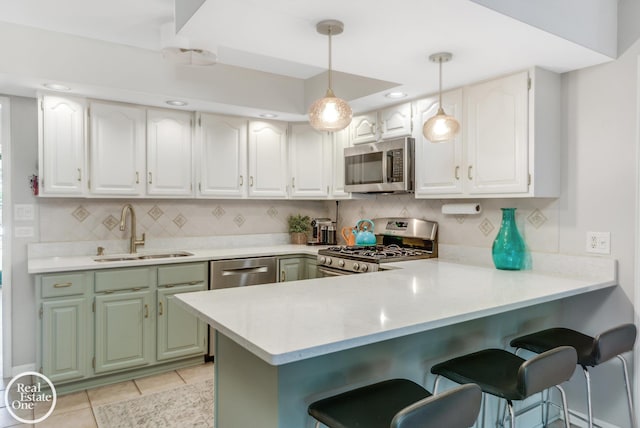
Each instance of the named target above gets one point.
<point>299,225</point>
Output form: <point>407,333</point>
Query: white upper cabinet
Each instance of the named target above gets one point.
<point>396,121</point>
<point>438,166</point>
<point>495,131</point>
<point>267,159</point>
<point>61,146</point>
<point>169,140</point>
<point>309,162</point>
<point>364,128</point>
<point>116,149</point>
<point>222,156</point>
<point>509,145</point>
<point>341,141</point>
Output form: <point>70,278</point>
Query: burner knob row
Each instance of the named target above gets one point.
<point>326,260</point>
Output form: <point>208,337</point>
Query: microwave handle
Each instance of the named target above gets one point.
<point>389,166</point>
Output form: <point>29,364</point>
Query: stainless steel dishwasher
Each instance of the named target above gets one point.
<point>239,273</point>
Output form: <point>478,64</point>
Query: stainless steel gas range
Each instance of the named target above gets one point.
<point>397,239</point>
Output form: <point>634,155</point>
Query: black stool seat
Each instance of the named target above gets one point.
<point>398,403</point>
<point>591,350</point>
<point>504,374</point>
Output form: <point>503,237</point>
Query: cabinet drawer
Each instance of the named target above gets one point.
<point>66,284</point>
<point>123,279</point>
<point>182,274</point>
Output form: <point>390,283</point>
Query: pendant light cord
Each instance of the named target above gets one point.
<point>329,33</point>
<point>440,92</point>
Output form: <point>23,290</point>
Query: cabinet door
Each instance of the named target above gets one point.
<point>123,330</point>
<point>65,325</point>
<point>438,166</point>
<point>341,140</point>
<point>309,157</point>
<point>495,129</point>
<point>116,149</point>
<point>267,159</point>
<point>179,332</point>
<point>222,160</point>
<point>169,139</point>
<point>291,269</point>
<point>311,268</point>
<point>396,121</point>
<point>62,146</point>
<point>364,128</point>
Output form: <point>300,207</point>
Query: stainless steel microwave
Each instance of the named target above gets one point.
<point>382,167</point>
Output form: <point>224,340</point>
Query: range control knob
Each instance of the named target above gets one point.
<point>322,260</point>
<point>356,266</point>
<point>365,268</point>
<point>341,263</point>
<point>329,261</point>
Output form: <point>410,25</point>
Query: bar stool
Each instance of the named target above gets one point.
<point>505,375</point>
<point>592,351</point>
<point>398,403</point>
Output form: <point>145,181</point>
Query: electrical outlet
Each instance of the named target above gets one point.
<point>599,242</point>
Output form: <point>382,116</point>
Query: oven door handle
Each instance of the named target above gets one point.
<point>333,272</point>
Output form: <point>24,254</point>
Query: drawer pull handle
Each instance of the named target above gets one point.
<point>160,312</point>
<point>79,174</point>
<point>469,176</point>
<point>146,311</point>
<point>136,289</point>
<point>283,276</point>
<point>457,172</point>
<point>62,284</point>
<point>150,178</point>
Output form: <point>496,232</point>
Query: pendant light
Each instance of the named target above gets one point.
<point>330,113</point>
<point>440,127</point>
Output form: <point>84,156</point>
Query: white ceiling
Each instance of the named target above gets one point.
<point>386,41</point>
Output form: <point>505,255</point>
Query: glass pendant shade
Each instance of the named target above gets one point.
<point>440,127</point>
<point>330,113</point>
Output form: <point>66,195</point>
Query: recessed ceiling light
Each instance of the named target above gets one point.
<point>56,87</point>
<point>176,103</point>
<point>395,95</point>
<point>268,115</point>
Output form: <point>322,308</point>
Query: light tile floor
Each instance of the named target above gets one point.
<point>76,410</point>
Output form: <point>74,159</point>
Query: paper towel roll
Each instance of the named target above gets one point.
<point>470,208</point>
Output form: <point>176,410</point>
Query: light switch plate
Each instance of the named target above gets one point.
<point>599,242</point>
<point>23,212</point>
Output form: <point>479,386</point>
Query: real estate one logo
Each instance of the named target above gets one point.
<point>27,391</point>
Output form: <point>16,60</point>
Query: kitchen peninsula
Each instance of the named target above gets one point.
<point>282,346</point>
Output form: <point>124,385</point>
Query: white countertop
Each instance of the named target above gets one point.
<point>287,322</point>
<point>74,263</point>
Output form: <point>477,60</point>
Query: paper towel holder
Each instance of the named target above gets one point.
<point>471,208</point>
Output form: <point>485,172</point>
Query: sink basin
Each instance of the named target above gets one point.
<point>164,255</point>
<point>144,256</point>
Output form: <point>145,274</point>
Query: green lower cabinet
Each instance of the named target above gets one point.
<point>179,332</point>
<point>123,330</point>
<point>311,267</point>
<point>64,339</point>
<point>291,269</point>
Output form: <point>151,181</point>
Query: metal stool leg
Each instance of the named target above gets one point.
<point>435,384</point>
<point>589,409</point>
<point>512,414</point>
<point>565,407</point>
<point>317,424</point>
<point>627,386</point>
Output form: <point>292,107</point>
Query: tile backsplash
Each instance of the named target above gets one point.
<point>537,219</point>
<point>63,220</point>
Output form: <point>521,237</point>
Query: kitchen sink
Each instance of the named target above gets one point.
<point>143,256</point>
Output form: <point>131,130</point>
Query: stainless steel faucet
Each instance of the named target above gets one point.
<point>133,242</point>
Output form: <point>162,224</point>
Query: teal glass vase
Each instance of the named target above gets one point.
<point>509,250</point>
